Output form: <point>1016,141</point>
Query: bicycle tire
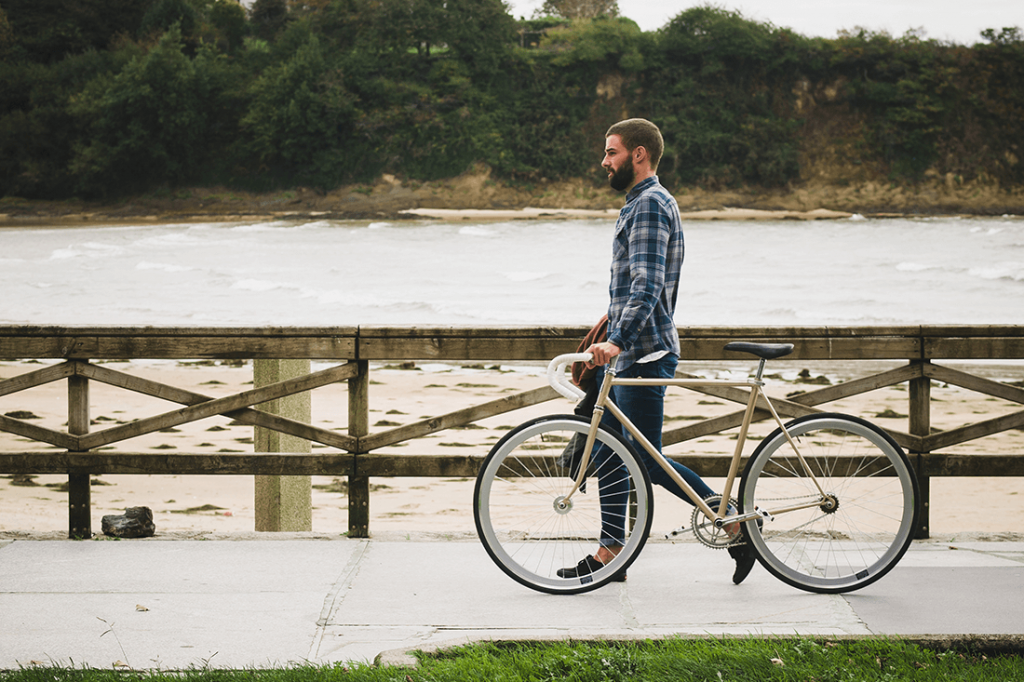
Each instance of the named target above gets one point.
<point>519,523</point>
<point>853,539</point>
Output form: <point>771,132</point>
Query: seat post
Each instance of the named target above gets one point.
<point>760,370</point>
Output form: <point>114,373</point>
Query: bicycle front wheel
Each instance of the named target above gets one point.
<point>842,517</point>
<point>531,531</point>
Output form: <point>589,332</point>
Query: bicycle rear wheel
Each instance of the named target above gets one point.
<point>862,526</point>
<point>520,517</point>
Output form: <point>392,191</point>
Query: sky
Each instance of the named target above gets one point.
<point>958,21</point>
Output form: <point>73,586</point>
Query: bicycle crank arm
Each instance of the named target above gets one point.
<point>740,518</point>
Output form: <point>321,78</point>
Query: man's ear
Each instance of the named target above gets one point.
<point>639,154</point>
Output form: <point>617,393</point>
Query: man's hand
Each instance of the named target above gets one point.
<point>602,352</point>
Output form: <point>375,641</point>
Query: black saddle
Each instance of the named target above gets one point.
<point>765,351</point>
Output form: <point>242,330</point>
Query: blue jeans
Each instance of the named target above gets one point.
<point>645,407</point>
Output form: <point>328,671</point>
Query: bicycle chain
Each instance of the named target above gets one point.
<point>715,541</point>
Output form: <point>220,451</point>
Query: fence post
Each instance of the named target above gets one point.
<point>358,427</point>
<point>79,493</point>
<point>283,503</point>
<point>920,425</point>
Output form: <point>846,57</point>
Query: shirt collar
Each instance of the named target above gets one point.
<point>640,187</point>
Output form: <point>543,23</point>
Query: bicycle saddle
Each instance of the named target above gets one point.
<point>765,351</point>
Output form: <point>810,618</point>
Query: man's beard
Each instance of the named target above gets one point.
<point>623,177</point>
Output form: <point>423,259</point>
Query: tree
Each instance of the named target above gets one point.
<point>148,124</point>
<point>719,100</point>
<point>163,14</point>
<point>1008,36</point>
<point>268,17</point>
<point>228,19</point>
<point>7,43</point>
<point>578,9</point>
<point>479,33</point>
<point>301,121</point>
<point>49,30</point>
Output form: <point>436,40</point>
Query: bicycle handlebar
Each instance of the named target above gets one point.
<point>556,375</point>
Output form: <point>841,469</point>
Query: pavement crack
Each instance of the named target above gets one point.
<point>336,595</point>
<point>628,612</point>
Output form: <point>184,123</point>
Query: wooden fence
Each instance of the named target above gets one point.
<point>920,351</point>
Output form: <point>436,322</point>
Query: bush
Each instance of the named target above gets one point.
<point>148,124</point>
<point>301,123</point>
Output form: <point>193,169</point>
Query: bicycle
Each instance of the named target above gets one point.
<point>828,501</point>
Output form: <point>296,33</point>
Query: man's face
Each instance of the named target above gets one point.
<point>619,163</point>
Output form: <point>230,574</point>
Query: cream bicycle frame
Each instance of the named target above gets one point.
<point>755,385</point>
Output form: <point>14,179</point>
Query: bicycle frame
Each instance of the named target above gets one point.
<point>756,386</point>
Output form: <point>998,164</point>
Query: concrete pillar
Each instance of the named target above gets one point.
<point>283,503</point>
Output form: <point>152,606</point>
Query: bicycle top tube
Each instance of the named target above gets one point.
<point>764,351</point>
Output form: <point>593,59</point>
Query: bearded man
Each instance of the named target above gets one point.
<point>647,257</point>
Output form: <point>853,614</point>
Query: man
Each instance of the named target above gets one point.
<point>647,256</point>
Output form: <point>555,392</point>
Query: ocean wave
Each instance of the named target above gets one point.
<point>280,225</point>
<point>999,271</point>
<point>476,231</point>
<point>166,267</point>
<point>987,231</point>
<point>915,267</point>
<point>86,249</point>
<point>260,285</point>
<point>525,276</point>
<point>175,239</point>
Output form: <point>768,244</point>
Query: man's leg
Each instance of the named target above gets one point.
<point>645,407</point>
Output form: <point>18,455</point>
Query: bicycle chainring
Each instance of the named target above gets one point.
<point>704,529</point>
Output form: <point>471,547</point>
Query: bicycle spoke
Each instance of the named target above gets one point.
<point>863,523</point>
<point>525,522</point>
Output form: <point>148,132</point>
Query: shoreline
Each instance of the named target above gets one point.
<point>475,195</point>
<point>102,218</point>
<point>727,213</point>
<point>211,506</point>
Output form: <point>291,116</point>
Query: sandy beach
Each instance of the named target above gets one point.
<point>198,505</point>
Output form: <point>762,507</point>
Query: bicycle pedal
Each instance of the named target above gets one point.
<point>678,531</point>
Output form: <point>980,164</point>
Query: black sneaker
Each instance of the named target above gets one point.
<point>745,560</point>
<point>744,555</point>
<point>585,568</point>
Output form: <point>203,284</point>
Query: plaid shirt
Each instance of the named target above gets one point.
<point>647,255</point>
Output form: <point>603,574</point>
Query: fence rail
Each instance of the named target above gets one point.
<point>922,348</point>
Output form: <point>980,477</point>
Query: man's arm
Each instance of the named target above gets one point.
<point>648,249</point>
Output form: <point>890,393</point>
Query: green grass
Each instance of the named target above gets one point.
<point>754,659</point>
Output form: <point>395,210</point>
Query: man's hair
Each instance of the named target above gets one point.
<point>639,132</point>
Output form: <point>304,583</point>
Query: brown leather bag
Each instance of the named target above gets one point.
<point>581,375</point>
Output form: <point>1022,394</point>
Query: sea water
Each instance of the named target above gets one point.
<point>478,273</point>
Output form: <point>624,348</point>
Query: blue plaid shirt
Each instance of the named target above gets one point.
<point>647,256</point>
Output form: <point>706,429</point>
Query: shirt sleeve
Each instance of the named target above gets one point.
<point>647,241</point>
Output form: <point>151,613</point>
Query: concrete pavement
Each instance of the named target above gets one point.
<point>263,600</point>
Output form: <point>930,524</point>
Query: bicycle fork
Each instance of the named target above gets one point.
<point>595,424</point>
